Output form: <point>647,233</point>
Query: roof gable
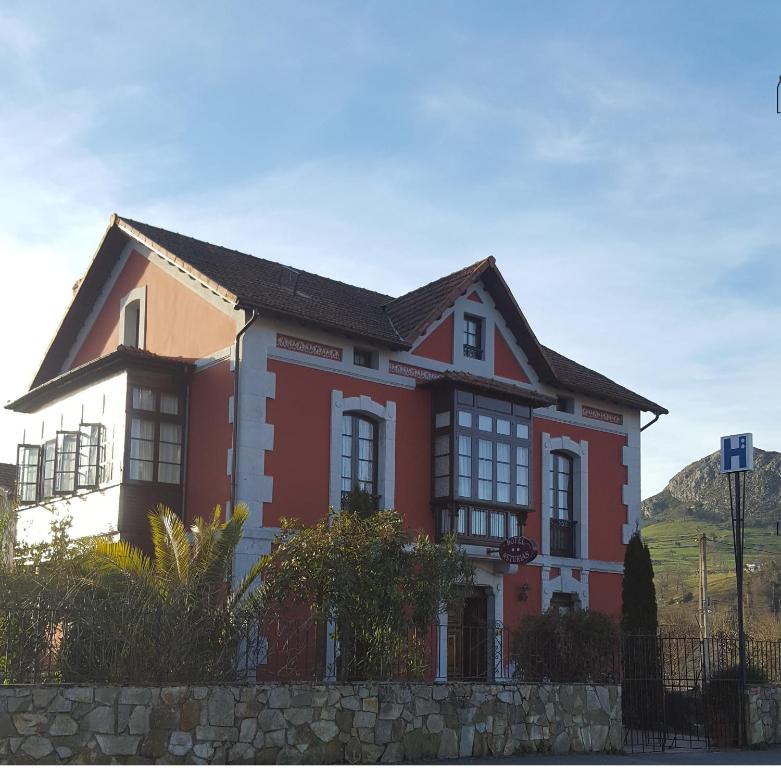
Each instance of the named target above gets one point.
<point>248,282</point>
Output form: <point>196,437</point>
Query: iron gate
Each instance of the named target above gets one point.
<point>680,693</point>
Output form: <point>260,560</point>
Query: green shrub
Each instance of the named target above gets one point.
<point>579,646</point>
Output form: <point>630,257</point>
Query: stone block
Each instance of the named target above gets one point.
<point>190,715</point>
<point>118,746</point>
<point>425,706</point>
<point>7,729</point>
<point>173,695</point>
<point>390,711</point>
<point>221,707</point>
<point>394,753</point>
<point>155,744</point>
<point>135,695</point>
<point>203,751</point>
<point>435,723</point>
<point>30,723</point>
<point>107,696</point>
<point>351,702</point>
<point>561,743</point>
<point>83,694</point>
<point>248,730</point>
<point>364,720</point>
<point>466,741</point>
<point>448,745</point>
<point>22,703</point>
<point>279,698</point>
<point>353,751</point>
<point>241,753</point>
<point>271,720</point>
<point>59,704</point>
<point>164,717</point>
<point>216,733</point>
<point>63,725</point>
<point>298,715</point>
<point>403,695</point>
<point>439,692</point>
<point>42,697</point>
<point>180,743</point>
<point>138,721</point>
<point>275,738</point>
<point>37,747</point>
<point>371,753</point>
<point>370,704</point>
<point>63,752</point>
<point>344,720</point>
<point>325,730</point>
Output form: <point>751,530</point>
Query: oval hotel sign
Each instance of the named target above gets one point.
<point>517,550</point>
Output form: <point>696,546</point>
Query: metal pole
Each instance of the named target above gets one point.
<point>704,606</point>
<point>738,537</point>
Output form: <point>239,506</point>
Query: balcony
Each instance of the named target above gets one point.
<point>563,538</point>
<point>476,353</point>
<point>480,524</point>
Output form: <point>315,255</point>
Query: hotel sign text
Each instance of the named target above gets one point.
<point>308,347</point>
<point>600,415</point>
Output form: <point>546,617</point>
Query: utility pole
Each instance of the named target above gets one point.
<point>704,607</point>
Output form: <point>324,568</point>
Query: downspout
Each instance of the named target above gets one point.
<point>652,422</point>
<point>236,360</point>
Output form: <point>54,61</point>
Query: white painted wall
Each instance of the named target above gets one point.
<point>94,512</point>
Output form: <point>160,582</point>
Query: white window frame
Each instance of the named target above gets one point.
<point>128,303</point>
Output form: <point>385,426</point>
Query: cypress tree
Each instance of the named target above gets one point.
<point>638,593</point>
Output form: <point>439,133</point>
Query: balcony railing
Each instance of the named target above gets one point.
<point>347,498</point>
<point>472,522</point>
<point>474,352</point>
<point>563,538</point>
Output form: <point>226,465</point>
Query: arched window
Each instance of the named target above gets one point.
<point>359,454</point>
<point>132,321</point>
<point>561,486</point>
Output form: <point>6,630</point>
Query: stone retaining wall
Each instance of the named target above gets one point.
<point>303,723</point>
<point>763,715</point>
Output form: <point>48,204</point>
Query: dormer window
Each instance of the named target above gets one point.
<point>366,358</point>
<point>473,337</point>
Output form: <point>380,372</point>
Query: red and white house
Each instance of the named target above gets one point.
<point>195,375</point>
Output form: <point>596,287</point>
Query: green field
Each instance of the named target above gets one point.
<point>674,550</point>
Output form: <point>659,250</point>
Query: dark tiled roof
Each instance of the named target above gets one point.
<point>7,476</point>
<point>491,386</point>
<point>273,288</point>
<point>578,378</point>
<point>270,286</point>
<point>416,310</point>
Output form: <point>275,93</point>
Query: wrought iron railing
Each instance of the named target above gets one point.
<point>475,353</point>
<point>563,539</point>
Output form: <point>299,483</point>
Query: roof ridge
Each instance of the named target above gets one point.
<point>135,223</point>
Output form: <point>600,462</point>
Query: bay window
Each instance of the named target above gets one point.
<point>490,490</point>
<point>155,436</point>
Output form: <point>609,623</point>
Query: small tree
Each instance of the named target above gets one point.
<point>638,594</point>
<point>381,588</point>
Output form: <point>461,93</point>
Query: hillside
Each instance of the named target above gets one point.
<point>696,501</point>
<point>699,492</point>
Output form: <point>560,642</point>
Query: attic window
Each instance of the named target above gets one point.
<point>132,319</point>
<point>288,278</point>
<point>565,404</point>
<point>473,337</point>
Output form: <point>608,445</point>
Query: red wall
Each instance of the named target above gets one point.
<point>604,592</point>
<point>299,463</point>
<point>210,437</point>
<point>438,345</point>
<point>179,323</point>
<point>606,478</point>
<point>505,362</point>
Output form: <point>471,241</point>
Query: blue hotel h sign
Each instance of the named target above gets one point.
<point>737,453</point>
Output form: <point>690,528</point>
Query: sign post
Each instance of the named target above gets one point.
<point>737,457</point>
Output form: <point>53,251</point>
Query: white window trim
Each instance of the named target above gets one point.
<point>137,294</point>
<point>565,582</point>
<point>579,454</point>
<point>386,447</point>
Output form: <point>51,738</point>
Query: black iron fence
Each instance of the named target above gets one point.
<point>103,641</point>
<point>563,541</point>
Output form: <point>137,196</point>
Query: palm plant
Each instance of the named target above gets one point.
<point>173,617</point>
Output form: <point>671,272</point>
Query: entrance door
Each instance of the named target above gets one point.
<point>468,639</point>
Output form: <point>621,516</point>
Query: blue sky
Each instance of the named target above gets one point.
<point>620,160</point>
